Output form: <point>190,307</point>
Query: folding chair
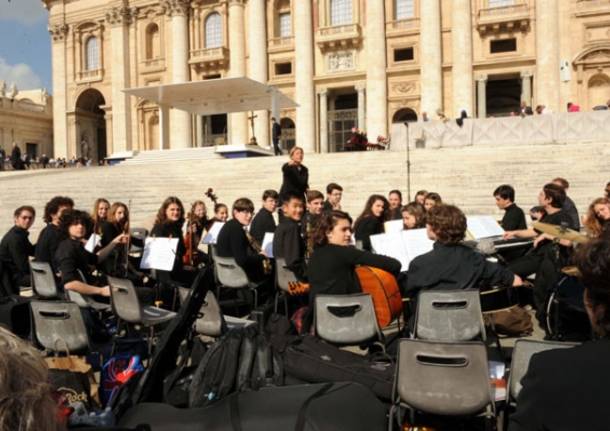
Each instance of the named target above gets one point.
<point>59,326</point>
<point>283,278</point>
<point>139,233</point>
<point>210,320</point>
<point>127,307</point>
<point>231,275</point>
<point>346,319</point>
<point>43,281</point>
<point>449,315</point>
<point>442,378</point>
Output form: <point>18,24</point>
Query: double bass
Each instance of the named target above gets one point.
<point>384,291</point>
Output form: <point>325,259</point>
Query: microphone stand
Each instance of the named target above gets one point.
<point>408,165</point>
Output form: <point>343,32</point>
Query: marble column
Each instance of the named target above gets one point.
<point>526,87</point>
<point>364,112</point>
<point>482,96</point>
<point>376,76</point>
<point>60,127</point>
<point>238,122</point>
<point>163,127</point>
<point>461,72</point>
<point>304,74</point>
<point>257,39</point>
<point>180,121</point>
<point>430,60</point>
<point>547,54</point>
<point>323,95</point>
<point>119,19</point>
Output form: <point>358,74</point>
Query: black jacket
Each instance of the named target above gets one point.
<point>276,131</point>
<point>514,218</point>
<point>232,242</point>
<point>566,390</point>
<point>365,227</point>
<point>47,244</point>
<point>71,258</point>
<point>570,209</point>
<point>262,223</point>
<point>295,180</point>
<point>15,250</point>
<point>289,244</point>
<point>454,267</point>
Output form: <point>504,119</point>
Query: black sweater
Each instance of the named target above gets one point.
<point>365,227</point>
<point>15,249</point>
<point>262,223</point>
<point>514,218</point>
<point>295,180</point>
<point>289,244</point>
<point>171,230</point>
<point>232,242</point>
<point>47,244</point>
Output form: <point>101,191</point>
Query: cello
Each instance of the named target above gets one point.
<point>384,291</point>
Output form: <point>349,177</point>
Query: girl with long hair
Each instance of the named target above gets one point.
<point>371,220</point>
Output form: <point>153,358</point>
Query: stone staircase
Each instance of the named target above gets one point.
<point>464,176</point>
<point>155,156</point>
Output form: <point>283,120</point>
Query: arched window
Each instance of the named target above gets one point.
<point>404,115</point>
<point>341,12</point>
<point>404,9</point>
<point>92,54</point>
<point>213,31</point>
<point>153,43</point>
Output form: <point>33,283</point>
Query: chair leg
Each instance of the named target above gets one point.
<point>275,302</point>
<point>255,297</point>
<point>286,305</point>
<point>151,335</point>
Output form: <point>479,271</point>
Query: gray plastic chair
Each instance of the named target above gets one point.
<point>59,326</point>
<point>442,378</point>
<point>211,321</point>
<point>449,315</point>
<point>127,307</point>
<point>346,319</point>
<point>43,280</point>
<point>283,278</point>
<point>138,233</point>
<point>231,275</point>
<point>86,301</point>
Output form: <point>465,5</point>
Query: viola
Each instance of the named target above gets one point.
<point>384,291</point>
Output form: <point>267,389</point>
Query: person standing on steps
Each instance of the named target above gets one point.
<point>276,133</point>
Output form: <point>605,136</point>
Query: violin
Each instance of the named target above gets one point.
<point>191,257</point>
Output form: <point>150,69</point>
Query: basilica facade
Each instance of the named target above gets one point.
<point>371,64</point>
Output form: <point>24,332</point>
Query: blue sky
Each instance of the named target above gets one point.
<point>25,44</point>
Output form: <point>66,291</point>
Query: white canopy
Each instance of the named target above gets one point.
<point>215,96</point>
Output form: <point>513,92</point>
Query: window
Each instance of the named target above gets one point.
<point>403,54</point>
<point>404,9</point>
<point>152,42</point>
<point>283,68</point>
<point>285,25</point>
<point>500,3</point>
<point>213,31</point>
<point>92,54</point>
<point>341,12</point>
<point>503,45</point>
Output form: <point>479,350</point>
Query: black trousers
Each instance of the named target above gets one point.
<point>276,147</point>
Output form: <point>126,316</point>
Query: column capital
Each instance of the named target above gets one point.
<point>120,15</point>
<point>323,92</point>
<point>526,74</point>
<point>236,3</point>
<point>176,7</point>
<point>481,78</point>
<point>360,86</point>
<point>58,32</point>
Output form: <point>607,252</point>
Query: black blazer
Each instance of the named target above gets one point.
<point>365,227</point>
<point>566,390</point>
<point>295,180</point>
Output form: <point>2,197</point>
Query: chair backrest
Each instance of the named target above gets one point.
<point>125,302</point>
<point>59,325</point>
<point>211,322</point>
<point>77,298</point>
<point>522,354</point>
<point>283,275</point>
<point>229,273</point>
<point>443,378</point>
<point>449,315</point>
<point>138,232</point>
<point>43,280</point>
<point>345,319</point>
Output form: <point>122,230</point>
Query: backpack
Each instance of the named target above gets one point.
<point>513,321</point>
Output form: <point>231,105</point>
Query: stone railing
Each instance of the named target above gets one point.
<point>509,17</point>
<point>339,36</point>
<point>401,26</point>
<point>89,75</point>
<point>538,129</point>
<point>154,64</point>
<point>279,44</point>
<point>209,57</point>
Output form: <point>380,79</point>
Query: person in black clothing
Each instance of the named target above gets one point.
<point>567,389</point>
<point>2,157</point>
<point>543,260</point>
<point>331,268</point>
<point>371,220</point>
<point>50,236</point>
<point>288,241</point>
<point>263,222</point>
<point>276,134</point>
<point>15,250</point>
<point>315,205</point>
<point>597,221</point>
<point>16,161</point>
<point>334,193</point>
<point>233,241</point>
<point>568,205</point>
<point>452,265</point>
<point>395,205</point>
<point>413,216</point>
<point>295,174</point>
<point>514,217</point>
<point>99,214</point>
<point>168,224</point>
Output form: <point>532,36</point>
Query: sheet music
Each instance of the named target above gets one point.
<point>393,226</point>
<point>404,246</point>
<point>416,242</point>
<point>267,245</point>
<point>483,227</point>
<point>92,242</point>
<point>211,235</point>
<point>159,253</point>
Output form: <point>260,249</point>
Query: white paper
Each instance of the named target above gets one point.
<point>403,246</point>
<point>483,227</point>
<point>211,235</point>
<point>92,242</point>
<point>267,245</point>
<point>159,253</point>
<point>416,242</point>
<point>393,226</point>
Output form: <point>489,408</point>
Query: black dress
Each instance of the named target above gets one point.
<point>295,179</point>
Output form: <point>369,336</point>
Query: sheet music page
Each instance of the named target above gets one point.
<point>159,253</point>
<point>392,245</point>
<point>483,227</point>
<point>267,245</point>
<point>393,226</point>
<point>211,235</point>
<point>92,242</point>
<point>416,243</point>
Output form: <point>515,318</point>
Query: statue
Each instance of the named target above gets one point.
<point>84,147</point>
